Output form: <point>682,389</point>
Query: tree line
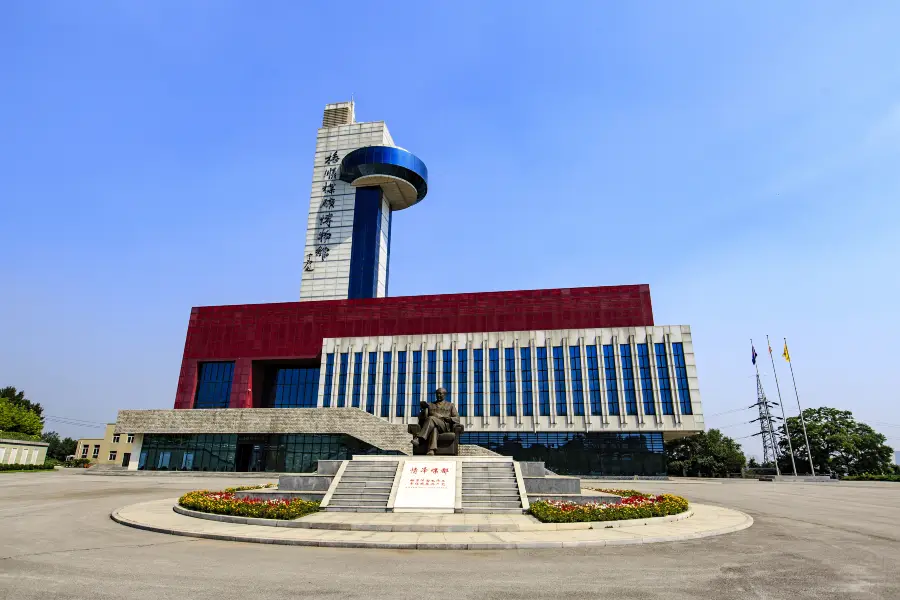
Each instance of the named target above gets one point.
<point>840,446</point>
<point>20,417</point>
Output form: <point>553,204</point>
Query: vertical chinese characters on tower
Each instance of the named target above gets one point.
<point>325,217</point>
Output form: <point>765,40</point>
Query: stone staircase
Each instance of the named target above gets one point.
<point>364,486</point>
<point>490,487</point>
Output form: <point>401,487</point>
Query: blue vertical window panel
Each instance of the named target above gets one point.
<point>214,385</point>
<point>462,375</point>
<point>329,378</point>
<point>577,388</point>
<point>447,374</point>
<point>681,379</point>
<point>432,374</point>
<point>416,382</point>
<point>646,379</point>
<point>628,380</point>
<point>543,381</point>
<point>401,383</point>
<point>612,387</point>
<point>662,374</point>
<point>294,388</point>
<point>559,378</point>
<point>510,364</point>
<point>371,379</point>
<point>593,365</point>
<point>386,385</point>
<point>342,380</point>
<point>478,383</point>
<point>365,243</point>
<point>494,375</point>
<point>357,378</point>
<point>527,389</point>
<point>387,267</point>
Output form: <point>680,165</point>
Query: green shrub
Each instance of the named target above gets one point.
<point>77,462</point>
<point>639,506</point>
<point>15,467</point>
<point>872,477</point>
<point>15,435</point>
<point>243,488</point>
<point>225,503</point>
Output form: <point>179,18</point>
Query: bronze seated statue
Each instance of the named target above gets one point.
<point>438,430</point>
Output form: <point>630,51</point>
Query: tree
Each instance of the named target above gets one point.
<point>18,420</point>
<point>59,448</point>
<point>17,398</point>
<point>707,454</point>
<point>840,444</point>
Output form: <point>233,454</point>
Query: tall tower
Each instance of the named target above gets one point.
<point>359,179</point>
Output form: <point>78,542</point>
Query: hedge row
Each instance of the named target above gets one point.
<point>225,503</point>
<point>15,435</point>
<point>15,467</point>
<point>872,477</point>
<point>636,506</point>
<point>243,488</point>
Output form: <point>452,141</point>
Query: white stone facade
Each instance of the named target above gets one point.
<point>329,229</point>
<point>596,419</point>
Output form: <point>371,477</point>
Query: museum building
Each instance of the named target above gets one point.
<point>580,378</point>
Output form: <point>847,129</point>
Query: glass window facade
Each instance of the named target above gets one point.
<point>559,380</point>
<point>628,379</point>
<point>432,374</point>
<point>357,379</point>
<point>371,379</point>
<point>294,388</point>
<point>462,377</point>
<point>665,386</point>
<point>214,384</point>
<point>401,384</point>
<point>329,378</point>
<point>612,389</point>
<point>494,374</point>
<point>478,382</point>
<point>416,382</point>
<point>596,453</point>
<point>386,385</point>
<point>646,379</point>
<point>447,373</point>
<point>285,453</point>
<point>342,379</point>
<point>543,382</point>
<point>594,379</point>
<point>577,386</point>
<point>509,361</point>
<point>681,379</point>
<point>527,390</point>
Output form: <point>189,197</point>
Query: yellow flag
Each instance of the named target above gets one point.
<point>786,354</point>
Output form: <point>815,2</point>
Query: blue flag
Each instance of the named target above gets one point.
<point>754,353</point>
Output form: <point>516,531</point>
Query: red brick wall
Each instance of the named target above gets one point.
<point>296,329</point>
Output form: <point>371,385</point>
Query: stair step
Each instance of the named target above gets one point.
<point>484,511</point>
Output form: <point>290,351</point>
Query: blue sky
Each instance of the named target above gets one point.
<point>741,159</point>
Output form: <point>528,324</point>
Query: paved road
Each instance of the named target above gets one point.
<point>809,541</point>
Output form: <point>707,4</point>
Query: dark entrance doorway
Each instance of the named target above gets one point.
<point>259,453</point>
<point>126,459</point>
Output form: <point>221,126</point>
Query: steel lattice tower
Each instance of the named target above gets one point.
<point>766,430</point>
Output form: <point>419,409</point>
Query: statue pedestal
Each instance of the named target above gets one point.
<point>427,485</point>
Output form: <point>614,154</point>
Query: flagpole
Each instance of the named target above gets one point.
<point>781,402</point>
<point>802,420</point>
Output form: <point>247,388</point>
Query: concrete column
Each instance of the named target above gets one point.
<point>585,390</point>
<point>551,379</point>
<point>601,375</point>
<point>636,372</point>
<point>670,359</point>
<point>651,355</point>
<point>617,360</point>
<point>136,446</point>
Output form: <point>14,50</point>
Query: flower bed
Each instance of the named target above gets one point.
<point>226,503</point>
<point>634,505</point>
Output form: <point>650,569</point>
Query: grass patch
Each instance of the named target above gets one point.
<point>872,477</point>
<point>226,503</point>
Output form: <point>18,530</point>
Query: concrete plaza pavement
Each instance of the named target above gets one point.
<point>838,541</point>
